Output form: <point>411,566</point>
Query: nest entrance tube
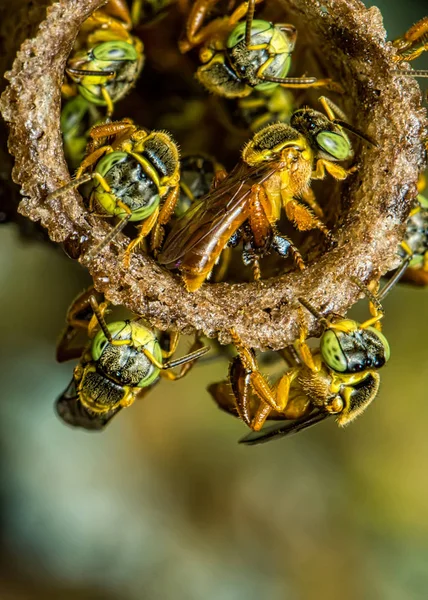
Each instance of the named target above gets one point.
<point>375,201</point>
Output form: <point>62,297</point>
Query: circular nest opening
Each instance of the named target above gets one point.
<point>341,39</point>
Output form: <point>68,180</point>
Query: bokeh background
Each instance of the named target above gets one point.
<point>164,504</point>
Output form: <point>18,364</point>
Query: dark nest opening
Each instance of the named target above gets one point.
<point>338,38</point>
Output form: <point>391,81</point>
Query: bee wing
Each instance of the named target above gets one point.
<point>279,430</point>
<point>212,212</point>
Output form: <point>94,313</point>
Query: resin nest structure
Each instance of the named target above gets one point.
<point>373,204</point>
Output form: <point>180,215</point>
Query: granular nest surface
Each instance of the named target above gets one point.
<point>374,202</point>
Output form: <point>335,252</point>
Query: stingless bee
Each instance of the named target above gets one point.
<point>241,56</point>
<point>340,378</point>
<point>275,172</point>
<point>415,243</point>
<point>121,360</point>
<point>134,175</point>
<point>106,59</point>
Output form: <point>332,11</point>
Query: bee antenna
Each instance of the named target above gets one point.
<point>311,309</point>
<point>249,21</point>
<point>110,236</point>
<point>357,132</point>
<point>412,72</point>
<point>368,293</point>
<point>395,278</point>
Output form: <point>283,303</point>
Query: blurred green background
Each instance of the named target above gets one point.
<point>165,505</point>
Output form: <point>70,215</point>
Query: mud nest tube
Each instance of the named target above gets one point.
<point>375,201</point>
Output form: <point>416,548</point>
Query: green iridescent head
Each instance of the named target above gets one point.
<point>327,139</point>
<point>122,58</point>
<point>354,350</point>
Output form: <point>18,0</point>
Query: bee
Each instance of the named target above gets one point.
<point>77,117</point>
<point>106,59</point>
<point>415,243</point>
<point>134,175</point>
<point>275,172</point>
<point>340,378</point>
<point>122,360</point>
<point>241,56</point>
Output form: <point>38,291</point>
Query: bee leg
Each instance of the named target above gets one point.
<point>260,417</point>
<point>109,129</point>
<point>375,306</point>
<point>145,228</point>
<point>173,338</point>
<point>309,197</point>
<point>164,216</point>
<point>257,274</point>
<point>195,32</point>
<point>128,398</point>
<point>108,101</point>
<point>282,390</point>
<point>335,170</point>
<point>119,9</point>
<point>304,218</point>
<point>92,158</point>
<point>259,384</point>
<point>250,258</point>
<point>302,347</point>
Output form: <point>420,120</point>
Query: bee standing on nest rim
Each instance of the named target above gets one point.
<point>239,57</point>
<point>340,378</point>
<point>121,360</point>
<point>275,172</point>
<point>106,59</point>
<point>134,176</point>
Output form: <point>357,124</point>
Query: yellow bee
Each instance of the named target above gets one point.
<point>275,173</point>
<point>241,56</point>
<point>106,59</point>
<point>134,175</point>
<point>121,360</point>
<point>338,379</point>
